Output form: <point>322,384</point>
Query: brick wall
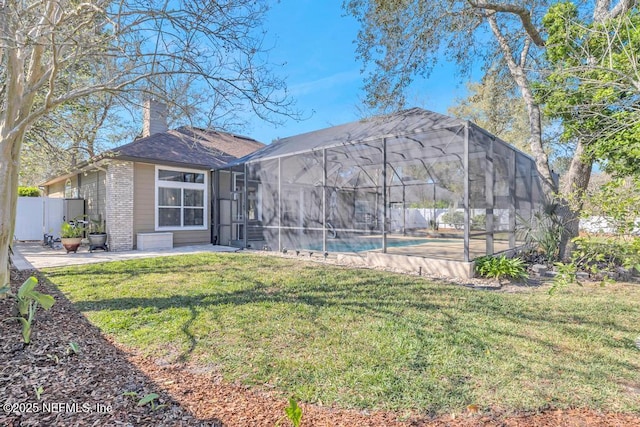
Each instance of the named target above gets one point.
<point>119,205</point>
<point>154,117</point>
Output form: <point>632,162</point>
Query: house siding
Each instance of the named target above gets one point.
<point>144,220</point>
<point>93,190</point>
<point>143,188</point>
<point>56,190</point>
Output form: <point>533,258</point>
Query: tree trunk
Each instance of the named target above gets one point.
<point>519,75</point>
<point>9,168</point>
<point>573,191</point>
<point>579,172</point>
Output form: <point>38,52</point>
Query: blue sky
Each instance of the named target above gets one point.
<point>316,41</point>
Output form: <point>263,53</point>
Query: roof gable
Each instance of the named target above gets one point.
<point>189,146</point>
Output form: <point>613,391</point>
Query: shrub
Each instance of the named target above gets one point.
<point>28,192</point>
<point>501,267</point>
<point>429,204</point>
<point>454,218</point>
<point>598,256</point>
<point>615,205</point>
<point>543,231</point>
<point>606,253</point>
<point>478,222</point>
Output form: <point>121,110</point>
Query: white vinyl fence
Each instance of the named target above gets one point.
<point>37,216</point>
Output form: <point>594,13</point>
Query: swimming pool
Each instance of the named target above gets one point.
<point>362,244</point>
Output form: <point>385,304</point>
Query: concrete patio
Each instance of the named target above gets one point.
<point>33,255</point>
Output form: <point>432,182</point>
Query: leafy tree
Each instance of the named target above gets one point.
<point>495,105</point>
<point>615,204</point>
<point>594,85</point>
<point>56,52</point>
<point>400,39</point>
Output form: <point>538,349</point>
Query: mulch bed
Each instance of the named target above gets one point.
<point>47,384</point>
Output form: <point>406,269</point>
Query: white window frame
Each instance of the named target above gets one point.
<point>182,186</point>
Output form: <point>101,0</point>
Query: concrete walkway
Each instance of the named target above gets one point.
<point>30,255</point>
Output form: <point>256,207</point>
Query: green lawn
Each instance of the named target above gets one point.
<point>369,339</point>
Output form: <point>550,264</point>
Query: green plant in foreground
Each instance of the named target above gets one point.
<point>73,347</point>
<point>38,391</point>
<point>293,412</point>
<point>501,267</point>
<point>149,399</point>
<point>28,300</point>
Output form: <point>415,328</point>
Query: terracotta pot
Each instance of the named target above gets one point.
<point>71,244</point>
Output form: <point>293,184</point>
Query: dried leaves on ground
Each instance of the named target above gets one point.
<point>94,382</point>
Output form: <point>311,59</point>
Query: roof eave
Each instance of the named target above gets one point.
<point>85,166</point>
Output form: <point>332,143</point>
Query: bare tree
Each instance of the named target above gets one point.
<point>53,52</point>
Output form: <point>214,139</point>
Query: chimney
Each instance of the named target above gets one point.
<point>155,117</point>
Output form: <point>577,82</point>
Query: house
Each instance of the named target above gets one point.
<point>414,190</point>
<point>159,183</point>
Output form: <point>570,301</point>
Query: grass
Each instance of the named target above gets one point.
<point>369,339</point>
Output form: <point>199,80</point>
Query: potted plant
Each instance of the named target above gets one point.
<point>97,235</point>
<point>71,236</point>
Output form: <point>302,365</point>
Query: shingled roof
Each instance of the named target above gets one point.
<point>188,146</point>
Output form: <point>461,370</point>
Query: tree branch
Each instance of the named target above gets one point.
<point>521,12</point>
<point>622,7</point>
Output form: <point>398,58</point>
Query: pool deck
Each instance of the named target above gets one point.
<point>449,248</point>
<point>33,255</point>
<point>437,256</point>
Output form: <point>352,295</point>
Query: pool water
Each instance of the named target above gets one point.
<point>362,244</point>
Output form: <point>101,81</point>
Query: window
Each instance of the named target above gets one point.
<point>69,191</point>
<point>181,199</point>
